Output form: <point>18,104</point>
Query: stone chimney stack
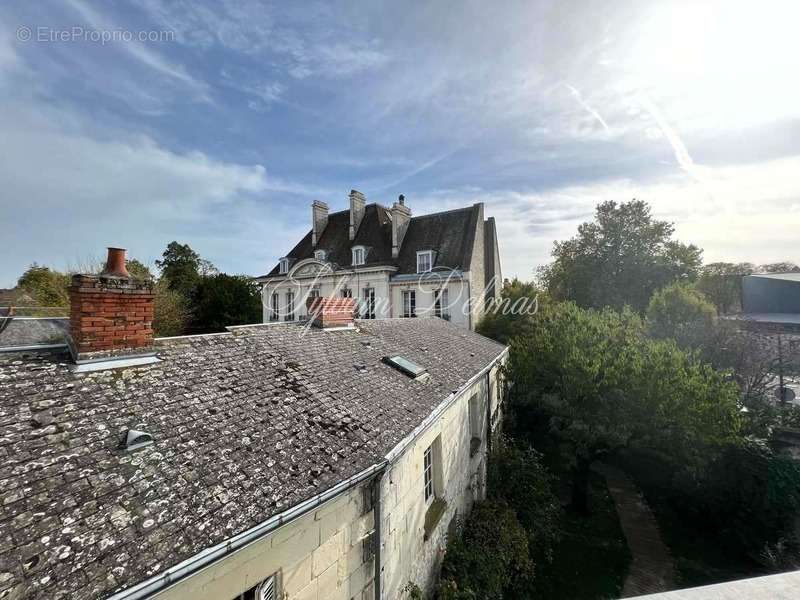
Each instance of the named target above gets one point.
<point>357,203</point>
<point>110,312</point>
<point>319,219</point>
<point>327,313</point>
<point>401,215</point>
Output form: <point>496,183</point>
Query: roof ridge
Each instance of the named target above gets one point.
<point>445,212</point>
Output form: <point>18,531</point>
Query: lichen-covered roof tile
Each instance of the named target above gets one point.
<point>245,425</point>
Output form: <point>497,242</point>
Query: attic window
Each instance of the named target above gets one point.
<point>283,266</point>
<point>135,439</point>
<point>424,261</point>
<point>404,365</point>
<point>359,255</point>
<point>319,254</point>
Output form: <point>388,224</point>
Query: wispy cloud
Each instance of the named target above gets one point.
<point>587,108</point>
<point>140,52</point>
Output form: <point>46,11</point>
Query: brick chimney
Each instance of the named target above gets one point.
<point>401,215</point>
<point>110,312</point>
<point>357,203</point>
<point>326,313</point>
<point>319,219</point>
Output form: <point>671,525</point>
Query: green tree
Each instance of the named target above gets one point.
<point>514,313</point>
<point>180,265</point>
<point>606,386</point>
<point>487,557</point>
<point>517,476</point>
<point>171,312</point>
<point>619,259</point>
<point>222,300</point>
<point>779,267</point>
<point>721,283</point>
<point>49,288</point>
<point>681,313</point>
<point>138,270</point>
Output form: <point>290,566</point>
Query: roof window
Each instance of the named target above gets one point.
<point>283,266</point>
<point>404,365</point>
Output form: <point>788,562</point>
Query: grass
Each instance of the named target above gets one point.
<point>591,560</point>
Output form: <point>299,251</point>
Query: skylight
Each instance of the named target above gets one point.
<point>405,366</point>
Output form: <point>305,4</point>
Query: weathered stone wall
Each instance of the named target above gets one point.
<point>317,556</point>
<point>406,554</point>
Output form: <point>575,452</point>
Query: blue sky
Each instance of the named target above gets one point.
<point>221,133</point>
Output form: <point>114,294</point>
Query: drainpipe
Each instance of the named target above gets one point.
<point>378,517</point>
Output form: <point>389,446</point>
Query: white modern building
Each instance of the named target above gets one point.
<point>442,265</point>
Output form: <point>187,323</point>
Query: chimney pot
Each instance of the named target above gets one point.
<point>115,263</point>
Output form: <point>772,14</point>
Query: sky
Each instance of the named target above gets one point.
<point>217,123</point>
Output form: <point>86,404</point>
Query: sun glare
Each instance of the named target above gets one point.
<point>719,64</point>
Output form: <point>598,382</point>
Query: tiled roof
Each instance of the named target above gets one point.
<point>246,424</point>
<point>451,234</point>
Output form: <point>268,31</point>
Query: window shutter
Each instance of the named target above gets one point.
<point>266,589</point>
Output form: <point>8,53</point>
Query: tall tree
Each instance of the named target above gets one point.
<point>619,259</point>
<point>604,386</point>
<point>681,313</point>
<point>180,265</point>
<point>222,300</point>
<point>721,282</point>
<point>514,314</point>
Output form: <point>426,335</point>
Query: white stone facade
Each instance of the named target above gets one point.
<point>331,551</point>
<point>463,305</point>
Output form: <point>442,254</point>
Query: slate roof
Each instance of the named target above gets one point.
<point>451,234</point>
<point>246,424</point>
<point>31,332</point>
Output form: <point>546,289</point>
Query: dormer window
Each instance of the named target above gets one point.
<point>424,261</point>
<point>319,254</point>
<point>359,255</point>
<point>283,266</point>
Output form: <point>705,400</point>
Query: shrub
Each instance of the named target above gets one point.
<point>517,476</point>
<point>681,313</point>
<point>488,556</point>
<point>752,495</point>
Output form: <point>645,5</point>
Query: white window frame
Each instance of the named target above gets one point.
<point>368,311</point>
<point>425,254</point>
<point>346,292</point>
<point>289,307</point>
<point>410,307</point>
<point>319,254</point>
<point>359,255</point>
<point>429,492</point>
<point>275,307</point>
<point>441,304</point>
<point>283,266</point>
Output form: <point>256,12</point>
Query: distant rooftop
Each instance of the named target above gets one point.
<point>783,276</point>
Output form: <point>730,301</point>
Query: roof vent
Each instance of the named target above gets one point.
<point>404,365</point>
<point>135,439</point>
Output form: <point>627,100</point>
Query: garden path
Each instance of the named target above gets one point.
<point>651,569</point>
